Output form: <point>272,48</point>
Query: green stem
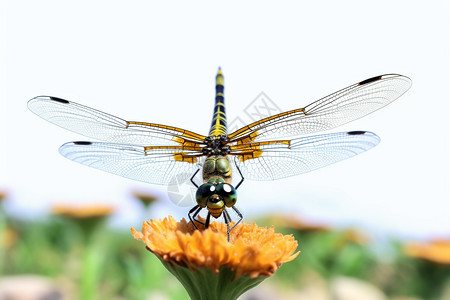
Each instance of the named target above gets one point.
<point>205,284</point>
<point>2,240</point>
<point>90,274</point>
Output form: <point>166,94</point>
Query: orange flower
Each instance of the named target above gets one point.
<point>437,251</point>
<point>252,250</point>
<point>209,266</point>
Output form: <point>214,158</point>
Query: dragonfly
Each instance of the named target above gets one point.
<point>272,148</point>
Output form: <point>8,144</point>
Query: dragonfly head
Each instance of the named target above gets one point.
<point>215,195</point>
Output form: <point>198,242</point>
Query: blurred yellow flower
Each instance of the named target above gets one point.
<point>82,211</point>
<point>292,221</point>
<point>9,238</point>
<point>88,217</point>
<point>437,251</point>
<point>145,198</point>
<point>355,236</point>
<point>252,250</point>
<point>3,195</point>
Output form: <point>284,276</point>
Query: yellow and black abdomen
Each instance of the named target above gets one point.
<point>219,121</point>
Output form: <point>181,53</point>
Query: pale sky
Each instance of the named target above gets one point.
<point>156,62</point>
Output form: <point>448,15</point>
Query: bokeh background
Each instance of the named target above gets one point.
<point>155,62</point>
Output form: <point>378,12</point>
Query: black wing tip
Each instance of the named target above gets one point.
<point>60,100</point>
<point>385,76</point>
<point>375,139</point>
<point>373,79</point>
<point>356,132</point>
<point>82,143</point>
<point>47,98</point>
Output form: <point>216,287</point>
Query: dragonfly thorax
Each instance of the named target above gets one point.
<point>216,145</point>
<point>216,166</point>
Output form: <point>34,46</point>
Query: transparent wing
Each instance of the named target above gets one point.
<point>331,111</point>
<point>102,126</point>
<point>157,165</point>
<point>259,161</point>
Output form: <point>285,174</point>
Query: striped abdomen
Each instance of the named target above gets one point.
<point>219,121</point>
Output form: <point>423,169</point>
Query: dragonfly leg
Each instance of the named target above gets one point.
<point>192,178</point>
<point>242,177</point>
<point>241,217</point>
<point>227,219</point>
<point>208,218</point>
<point>196,209</point>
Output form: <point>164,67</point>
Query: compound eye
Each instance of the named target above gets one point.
<point>228,193</point>
<point>204,191</point>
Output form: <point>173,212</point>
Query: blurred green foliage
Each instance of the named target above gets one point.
<point>111,264</point>
<point>333,253</point>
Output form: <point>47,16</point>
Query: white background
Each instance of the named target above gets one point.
<point>156,63</point>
